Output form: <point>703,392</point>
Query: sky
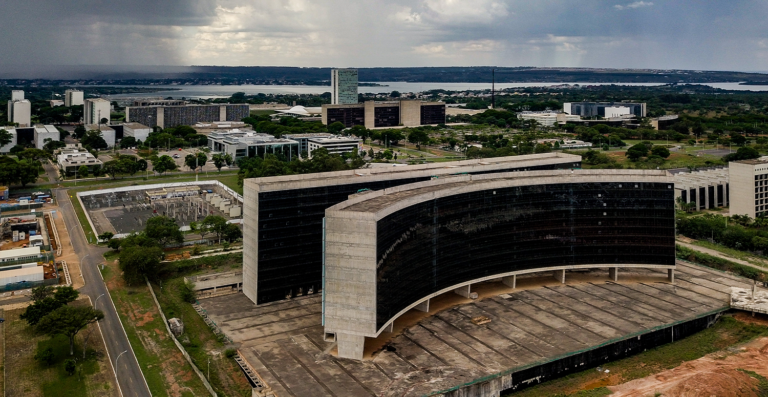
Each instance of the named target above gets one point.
<point>658,34</point>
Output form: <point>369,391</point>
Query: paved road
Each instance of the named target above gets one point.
<point>721,255</point>
<point>129,374</point>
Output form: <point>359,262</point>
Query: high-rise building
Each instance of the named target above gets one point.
<point>17,95</point>
<point>748,190</point>
<point>20,111</point>
<point>95,110</point>
<point>343,86</point>
<point>73,98</point>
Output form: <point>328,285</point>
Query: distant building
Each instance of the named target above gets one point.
<point>70,160</point>
<point>17,95</point>
<point>95,110</point>
<point>107,132</point>
<point>303,139</point>
<point>616,111</point>
<point>407,113</point>
<point>335,145</point>
<point>139,131</point>
<point>343,86</point>
<point>240,144</point>
<point>748,181</point>
<point>548,119</point>
<point>73,98</point>
<point>566,143</point>
<point>664,122</point>
<point>706,189</point>
<point>174,116</point>
<point>159,102</point>
<point>20,111</point>
<point>44,134</point>
<point>55,103</point>
<point>593,109</point>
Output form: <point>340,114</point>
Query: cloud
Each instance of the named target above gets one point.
<point>637,4</point>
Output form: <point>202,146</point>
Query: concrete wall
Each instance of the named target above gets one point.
<point>742,188</point>
<point>251,240</point>
<point>370,114</point>
<point>410,113</point>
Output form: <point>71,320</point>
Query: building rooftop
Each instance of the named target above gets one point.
<point>379,202</point>
<point>6,254</point>
<point>98,127</point>
<point>136,126</point>
<point>335,139</point>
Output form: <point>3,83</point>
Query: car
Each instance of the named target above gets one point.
<point>176,156</point>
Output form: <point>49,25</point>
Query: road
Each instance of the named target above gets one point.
<point>129,374</point>
<point>720,255</point>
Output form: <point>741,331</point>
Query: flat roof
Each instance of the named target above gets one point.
<point>752,161</point>
<point>378,202</point>
<point>5,254</point>
<point>302,181</point>
<point>24,271</point>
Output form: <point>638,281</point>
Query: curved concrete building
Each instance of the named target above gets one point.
<point>389,251</point>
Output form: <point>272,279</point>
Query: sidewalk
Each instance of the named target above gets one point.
<point>721,255</point>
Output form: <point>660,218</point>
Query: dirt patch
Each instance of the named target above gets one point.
<point>717,374</point>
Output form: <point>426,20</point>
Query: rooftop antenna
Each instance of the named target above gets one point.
<point>493,88</point>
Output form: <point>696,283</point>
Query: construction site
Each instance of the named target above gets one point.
<point>506,339</point>
<point>125,210</point>
<point>29,243</point>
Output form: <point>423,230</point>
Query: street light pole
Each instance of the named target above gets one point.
<point>118,357</point>
<point>97,300</point>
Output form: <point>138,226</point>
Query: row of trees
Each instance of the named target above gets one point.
<point>276,165</point>
<point>739,233</point>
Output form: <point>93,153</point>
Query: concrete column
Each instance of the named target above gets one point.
<point>390,328</point>
<point>423,306</point>
<point>671,275</point>
<point>350,346</point>
<point>559,275</point>
<point>510,281</point>
<point>706,197</point>
<point>613,273</point>
<point>463,291</point>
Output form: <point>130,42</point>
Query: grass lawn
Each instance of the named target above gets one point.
<point>90,235</point>
<point>745,256</point>
<point>725,333</point>
<point>93,376</point>
<point>166,370</point>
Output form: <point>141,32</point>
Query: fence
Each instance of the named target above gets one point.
<point>16,207</point>
<point>28,285</point>
<point>44,257</point>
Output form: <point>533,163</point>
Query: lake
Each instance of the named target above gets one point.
<point>224,91</point>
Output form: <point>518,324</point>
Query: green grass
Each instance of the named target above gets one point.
<point>720,264</point>
<point>726,332</point>
<point>745,256</point>
<point>762,385</point>
<point>157,354</point>
<point>64,384</point>
<point>90,235</point>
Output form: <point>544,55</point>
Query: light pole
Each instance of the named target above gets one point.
<point>97,300</point>
<point>118,357</point>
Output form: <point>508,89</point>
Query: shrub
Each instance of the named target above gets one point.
<point>187,292</point>
<point>229,353</point>
<point>70,366</point>
<point>46,356</point>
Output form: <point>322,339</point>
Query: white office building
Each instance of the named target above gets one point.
<point>106,132</point>
<point>55,103</point>
<point>44,134</point>
<point>240,144</point>
<point>20,111</point>
<point>136,130</point>
<point>343,86</point>
<point>748,181</point>
<point>73,98</point>
<point>616,111</point>
<point>17,95</point>
<point>335,145</point>
<point>95,110</point>
<point>70,160</point>
<point>548,119</point>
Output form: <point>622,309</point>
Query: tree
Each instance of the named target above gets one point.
<point>39,293</point>
<point>164,230</point>
<point>138,262</point>
<point>47,303</point>
<point>738,139</point>
<point>193,161</point>
<point>164,163</point>
<point>127,142</point>
<point>335,127</point>
<point>106,236</point>
<point>17,149</point>
<point>660,151</point>
<point>232,232</point>
<point>637,151</point>
<point>93,140</point>
<point>219,159</point>
<point>79,131</point>
<point>743,153</point>
<point>68,321</point>
<point>70,366</point>
<point>5,137</point>
<point>213,224</point>
<point>114,243</point>
<point>82,171</point>
<point>46,356</point>
<point>418,137</point>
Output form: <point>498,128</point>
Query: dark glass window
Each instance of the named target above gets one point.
<point>437,244</point>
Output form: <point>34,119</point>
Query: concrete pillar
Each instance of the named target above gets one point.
<point>510,281</point>
<point>706,197</point>
<point>613,273</point>
<point>423,306</point>
<point>671,275</point>
<point>350,346</point>
<point>559,275</point>
<point>390,328</point>
<point>463,291</point>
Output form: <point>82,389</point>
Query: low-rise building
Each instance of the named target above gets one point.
<point>37,136</point>
<point>45,134</point>
<point>664,122</point>
<point>20,255</point>
<point>107,132</point>
<point>566,143</point>
<point>335,145</point>
<point>240,144</point>
<point>71,160</point>
<point>303,139</point>
<point>706,189</point>
<point>55,103</point>
<point>548,118</point>
<point>139,131</point>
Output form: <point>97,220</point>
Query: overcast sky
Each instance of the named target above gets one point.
<point>701,34</point>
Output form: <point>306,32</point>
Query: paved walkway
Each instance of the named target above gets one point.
<point>721,255</point>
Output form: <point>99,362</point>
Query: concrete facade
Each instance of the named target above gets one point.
<point>20,112</point>
<point>334,145</point>
<point>351,252</point>
<point>45,133</point>
<point>343,86</point>
<point>136,130</point>
<point>706,188</point>
<point>17,95</point>
<point>106,132</point>
<point>73,98</point>
<point>748,181</point>
<point>95,110</point>
<point>405,112</point>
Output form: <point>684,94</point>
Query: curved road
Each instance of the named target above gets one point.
<point>129,373</point>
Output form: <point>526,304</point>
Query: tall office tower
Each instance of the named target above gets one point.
<point>17,95</point>
<point>73,98</point>
<point>95,110</point>
<point>20,111</point>
<point>343,86</point>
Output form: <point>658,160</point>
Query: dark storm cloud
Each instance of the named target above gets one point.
<point>706,34</point>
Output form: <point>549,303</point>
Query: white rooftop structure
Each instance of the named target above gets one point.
<point>302,111</point>
<point>43,133</point>
<point>548,118</point>
<point>31,253</point>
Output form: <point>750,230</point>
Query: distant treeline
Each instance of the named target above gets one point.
<point>475,74</point>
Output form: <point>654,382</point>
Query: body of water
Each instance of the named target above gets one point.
<point>224,91</point>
